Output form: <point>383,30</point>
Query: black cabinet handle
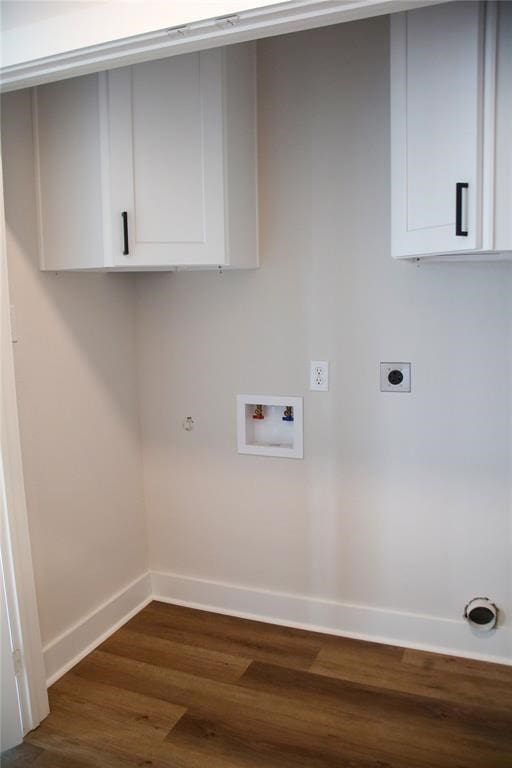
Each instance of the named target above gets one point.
<point>124,216</point>
<point>458,208</point>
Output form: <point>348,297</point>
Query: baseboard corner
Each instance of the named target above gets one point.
<point>66,650</point>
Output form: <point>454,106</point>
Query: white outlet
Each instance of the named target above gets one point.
<point>319,375</point>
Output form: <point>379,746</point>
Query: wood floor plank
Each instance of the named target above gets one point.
<point>249,739</point>
<point>155,713</point>
<point>102,741</point>
<point>357,665</point>
<point>427,723</point>
<point>179,688</point>
<point>487,672</point>
<point>167,653</point>
<point>227,634</point>
<point>209,700</point>
<point>141,725</point>
<point>51,759</point>
<point>373,653</point>
<point>61,749</point>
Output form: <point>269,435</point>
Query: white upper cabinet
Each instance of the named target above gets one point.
<point>151,166</point>
<point>446,97</point>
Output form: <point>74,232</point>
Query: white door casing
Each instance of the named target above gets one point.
<point>21,603</point>
<point>11,727</point>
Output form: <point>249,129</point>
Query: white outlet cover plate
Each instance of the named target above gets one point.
<point>401,372</point>
<point>319,375</point>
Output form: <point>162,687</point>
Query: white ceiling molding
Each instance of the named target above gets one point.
<point>282,18</point>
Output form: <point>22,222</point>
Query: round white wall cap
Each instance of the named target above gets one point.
<point>481,614</point>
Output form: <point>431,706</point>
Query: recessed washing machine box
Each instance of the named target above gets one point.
<point>270,425</point>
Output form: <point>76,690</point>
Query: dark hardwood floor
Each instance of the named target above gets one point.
<point>178,688</point>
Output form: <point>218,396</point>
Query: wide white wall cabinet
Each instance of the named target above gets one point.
<point>151,166</point>
<point>451,111</point>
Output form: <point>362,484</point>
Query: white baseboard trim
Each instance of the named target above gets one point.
<point>408,630</point>
<point>83,637</point>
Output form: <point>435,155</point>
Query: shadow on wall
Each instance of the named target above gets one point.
<point>76,330</point>
<point>76,379</point>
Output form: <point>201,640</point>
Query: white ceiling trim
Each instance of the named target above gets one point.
<point>291,16</point>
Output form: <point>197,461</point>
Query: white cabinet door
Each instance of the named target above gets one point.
<point>437,129</point>
<point>166,162</point>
